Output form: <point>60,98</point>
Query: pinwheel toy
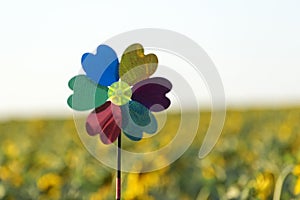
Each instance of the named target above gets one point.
<point>121,95</point>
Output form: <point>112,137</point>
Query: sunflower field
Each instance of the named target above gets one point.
<point>257,157</point>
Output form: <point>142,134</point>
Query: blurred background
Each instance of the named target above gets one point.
<point>255,46</point>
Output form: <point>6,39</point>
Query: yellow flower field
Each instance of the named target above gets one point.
<point>259,150</point>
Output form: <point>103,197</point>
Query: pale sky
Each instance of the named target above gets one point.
<point>255,45</point>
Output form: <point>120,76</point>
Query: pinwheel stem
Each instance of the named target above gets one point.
<point>118,180</point>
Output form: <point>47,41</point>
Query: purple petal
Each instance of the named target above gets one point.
<point>152,93</point>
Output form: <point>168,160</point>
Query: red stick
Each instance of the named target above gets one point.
<point>118,179</point>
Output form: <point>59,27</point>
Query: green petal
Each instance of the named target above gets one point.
<point>87,95</point>
<point>135,65</point>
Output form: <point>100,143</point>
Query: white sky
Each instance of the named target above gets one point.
<point>255,45</point>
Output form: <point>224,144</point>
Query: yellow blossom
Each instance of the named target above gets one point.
<point>297,187</point>
<point>296,170</point>
<point>10,149</point>
<point>50,184</point>
<point>264,185</point>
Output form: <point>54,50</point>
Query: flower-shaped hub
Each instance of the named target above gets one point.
<point>119,93</point>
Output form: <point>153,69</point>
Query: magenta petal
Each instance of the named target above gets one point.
<point>105,120</point>
<point>152,93</point>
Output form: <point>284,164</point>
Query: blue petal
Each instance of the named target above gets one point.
<point>133,130</point>
<point>139,113</point>
<point>103,67</point>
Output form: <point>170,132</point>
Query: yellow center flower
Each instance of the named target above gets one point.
<point>119,93</point>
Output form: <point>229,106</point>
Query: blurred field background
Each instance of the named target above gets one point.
<point>44,159</point>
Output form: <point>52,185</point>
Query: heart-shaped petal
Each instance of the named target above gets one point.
<point>135,65</point>
<point>103,67</point>
<point>152,93</point>
<point>87,94</point>
<point>106,120</point>
<point>134,131</point>
<point>139,113</point>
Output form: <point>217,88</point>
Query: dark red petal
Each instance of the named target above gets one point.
<point>151,93</point>
<point>106,120</point>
